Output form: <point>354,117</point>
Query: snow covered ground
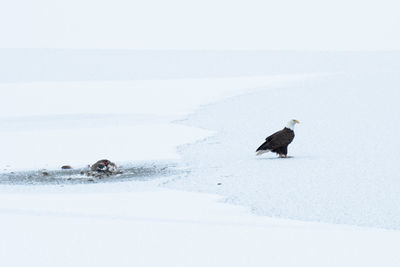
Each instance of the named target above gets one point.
<point>47,125</point>
<point>100,225</point>
<point>142,223</point>
<point>345,166</point>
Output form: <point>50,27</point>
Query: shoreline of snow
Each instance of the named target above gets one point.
<point>48,125</point>
<point>141,224</point>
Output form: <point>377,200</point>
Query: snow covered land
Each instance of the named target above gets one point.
<point>345,166</point>
<point>335,202</point>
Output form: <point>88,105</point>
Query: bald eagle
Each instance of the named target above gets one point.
<point>279,141</point>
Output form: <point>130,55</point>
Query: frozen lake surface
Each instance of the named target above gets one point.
<point>345,166</point>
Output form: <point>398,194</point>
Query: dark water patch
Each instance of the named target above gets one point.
<point>141,172</point>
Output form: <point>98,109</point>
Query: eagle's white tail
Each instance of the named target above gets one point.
<point>259,152</point>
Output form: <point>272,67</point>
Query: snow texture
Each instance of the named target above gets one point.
<point>98,225</point>
<point>344,167</point>
<point>47,125</point>
<point>345,156</point>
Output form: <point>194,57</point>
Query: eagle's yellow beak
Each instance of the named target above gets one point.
<point>296,121</point>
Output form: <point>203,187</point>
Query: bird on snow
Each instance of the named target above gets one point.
<point>279,141</point>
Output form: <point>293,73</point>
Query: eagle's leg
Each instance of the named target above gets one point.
<point>283,152</point>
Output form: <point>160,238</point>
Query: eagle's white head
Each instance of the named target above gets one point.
<point>291,124</point>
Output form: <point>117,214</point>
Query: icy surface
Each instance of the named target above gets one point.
<point>336,175</point>
<point>113,224</point>
<point>62,65</point>
<point>345,166</point>
<point>47,125</point>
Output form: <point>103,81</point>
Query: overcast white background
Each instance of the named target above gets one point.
<point>207,24</point>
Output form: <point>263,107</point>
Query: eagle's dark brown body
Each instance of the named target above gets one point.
<point>278,142</point>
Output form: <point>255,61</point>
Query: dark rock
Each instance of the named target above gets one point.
<point>90,180</point>
<point>103,168</point>
<point>104,165</point>
<point>66,167</point>
<point>45,173</point>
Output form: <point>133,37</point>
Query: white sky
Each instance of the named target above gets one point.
<point>206,24</point>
